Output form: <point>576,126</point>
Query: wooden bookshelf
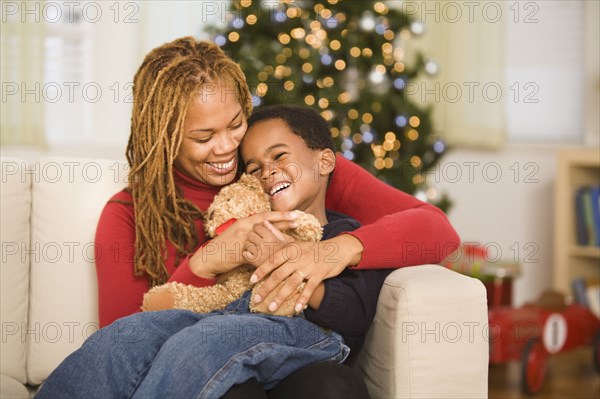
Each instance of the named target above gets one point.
<point>575,168</point>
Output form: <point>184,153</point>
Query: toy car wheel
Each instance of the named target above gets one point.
<point>534,363</point>
<point>596,353</point>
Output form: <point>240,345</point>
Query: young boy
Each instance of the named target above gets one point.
<point>291,151</point>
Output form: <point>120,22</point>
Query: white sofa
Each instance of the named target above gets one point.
<point>428,339</point>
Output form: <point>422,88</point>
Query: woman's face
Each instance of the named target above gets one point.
<point>212,130</point>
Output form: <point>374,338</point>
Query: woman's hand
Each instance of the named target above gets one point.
<point>224,252</point>
<point>310,262</point>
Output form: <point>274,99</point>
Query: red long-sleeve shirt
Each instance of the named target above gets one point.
<point>398,230</point>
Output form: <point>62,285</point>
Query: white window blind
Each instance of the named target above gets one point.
<point>68,92</point>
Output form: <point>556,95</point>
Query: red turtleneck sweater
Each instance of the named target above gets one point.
<point>398,230</point>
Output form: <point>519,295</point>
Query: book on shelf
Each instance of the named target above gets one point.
<point>586,294</point>
<point>595,194</point>
<point>579,287</point>
<point>587,215</point>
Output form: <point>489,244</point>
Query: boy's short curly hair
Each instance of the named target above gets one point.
<point>302,121</point>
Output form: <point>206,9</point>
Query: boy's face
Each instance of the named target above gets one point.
<point>291,174</point>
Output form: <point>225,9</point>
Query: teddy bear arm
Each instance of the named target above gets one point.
<point>158,298</point>
<point>187,297</point>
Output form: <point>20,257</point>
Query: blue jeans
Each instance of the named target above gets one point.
<point>181,354</point>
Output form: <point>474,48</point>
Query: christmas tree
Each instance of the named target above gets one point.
<point>344,58</point>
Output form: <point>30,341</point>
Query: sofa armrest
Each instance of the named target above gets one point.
<point>429,338</point>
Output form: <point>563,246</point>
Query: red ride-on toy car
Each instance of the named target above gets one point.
<point>534,332</point>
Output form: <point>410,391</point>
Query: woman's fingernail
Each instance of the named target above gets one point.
<point>257,298</point>
<point>292,215</point>
<point>253,279</point>
<point>293,225</point>
<point>273,306</point>
<point>298,308</point>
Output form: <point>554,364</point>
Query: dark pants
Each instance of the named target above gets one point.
<point>325,380</point>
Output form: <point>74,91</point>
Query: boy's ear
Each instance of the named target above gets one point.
<point>326,161</point>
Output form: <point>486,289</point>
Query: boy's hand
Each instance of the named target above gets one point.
<point>263,242</point>
<point>224,252</point>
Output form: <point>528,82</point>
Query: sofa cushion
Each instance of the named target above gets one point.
<point>12,389</point>
<point>435,321</point>
<point>68,197</point>
<point>15,205</point>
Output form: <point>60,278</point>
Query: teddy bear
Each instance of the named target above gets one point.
<point>240,199</point>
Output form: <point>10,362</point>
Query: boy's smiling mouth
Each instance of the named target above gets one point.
<point>278,188</point>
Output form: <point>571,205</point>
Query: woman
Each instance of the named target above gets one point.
<point>191,104</point>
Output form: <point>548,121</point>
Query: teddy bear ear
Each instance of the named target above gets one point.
<point>250,181</point>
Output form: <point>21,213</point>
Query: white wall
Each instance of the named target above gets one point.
<point>163,21</point>
<point>115,58</point>
<point>504,201</point>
